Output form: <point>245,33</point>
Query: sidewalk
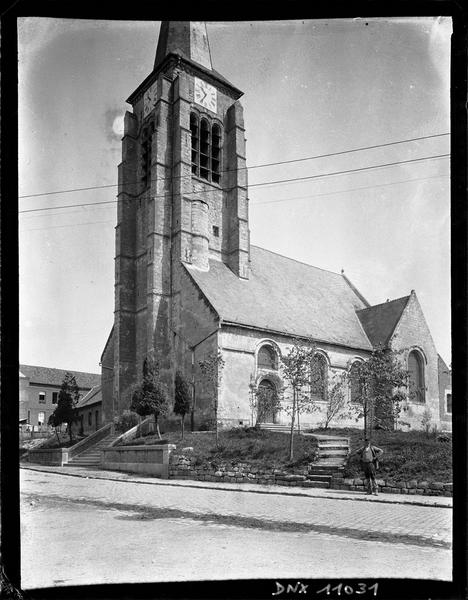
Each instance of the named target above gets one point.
<point>417,500</point>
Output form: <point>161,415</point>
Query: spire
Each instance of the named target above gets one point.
<point>188,39</point>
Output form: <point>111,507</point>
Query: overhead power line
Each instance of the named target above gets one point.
<point>284,162</point>
<point>357,189</point>
<point>308,197</point>
<point>264,183</point>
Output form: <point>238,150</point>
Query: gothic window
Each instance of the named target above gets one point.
<point>205,148</point>
<point>319,377</point>
<point>355,387</point>
<point>267,358</point>
<point>416,377</point>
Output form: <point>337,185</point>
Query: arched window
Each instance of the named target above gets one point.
<point>319,377</point>
<point>267,358</point>
<point>355,387</point>
<point>417,386</point>
<point>206,148</point>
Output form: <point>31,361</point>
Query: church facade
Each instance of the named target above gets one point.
<point>188,283</point>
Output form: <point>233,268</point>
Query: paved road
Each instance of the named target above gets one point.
<point>129,531</point>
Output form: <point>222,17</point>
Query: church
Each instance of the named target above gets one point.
<point>188,283</point>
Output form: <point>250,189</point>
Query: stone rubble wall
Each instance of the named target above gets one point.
<point>184,466</point>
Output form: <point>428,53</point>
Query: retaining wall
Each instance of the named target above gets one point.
<point>49,456</point>
<point>150,460</point>
<point>184,466</point>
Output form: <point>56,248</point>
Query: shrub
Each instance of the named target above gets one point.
<point>126,421</point>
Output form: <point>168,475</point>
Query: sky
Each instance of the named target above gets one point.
<point>311,88</point>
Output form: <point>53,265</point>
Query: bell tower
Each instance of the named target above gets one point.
<point>182,198</point>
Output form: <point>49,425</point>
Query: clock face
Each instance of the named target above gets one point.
<point>149,100</point>
<point>205,94</point>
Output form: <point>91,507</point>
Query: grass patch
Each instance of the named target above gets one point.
<point>263,449</point>
<point>407,455</point>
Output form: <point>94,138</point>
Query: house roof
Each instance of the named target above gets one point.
<point>94,396</point>
<point>287,296</point>
<point>50,376</point>
<point>379,321</point>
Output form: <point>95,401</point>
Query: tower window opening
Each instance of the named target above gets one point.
<point>215,231</point>
<point>215,152</point>
<point>206,148</point>
<point>195,143</point>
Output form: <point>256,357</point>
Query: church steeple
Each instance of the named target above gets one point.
<point>188,39</point>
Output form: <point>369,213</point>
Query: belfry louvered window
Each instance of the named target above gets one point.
<point>205,148</point>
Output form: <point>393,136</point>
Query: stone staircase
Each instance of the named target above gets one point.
<point>332,456</point>
<point>92,456</point>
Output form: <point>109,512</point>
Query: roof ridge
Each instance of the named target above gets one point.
<point>301,262</point>
<point>22,365</point>
<point>385,303</point>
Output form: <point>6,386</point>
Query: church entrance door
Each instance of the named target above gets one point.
<point>267,396</point>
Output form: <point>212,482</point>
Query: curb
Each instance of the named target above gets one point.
<point>202,485</point>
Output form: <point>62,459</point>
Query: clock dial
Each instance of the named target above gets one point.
<point>205,94</point>
<point>149,100</point>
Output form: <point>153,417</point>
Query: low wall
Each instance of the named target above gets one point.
<point>390,486</point>
<point>49,456</point>
<point>184,466</point>
<point>150,460</point>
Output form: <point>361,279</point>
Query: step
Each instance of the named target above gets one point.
<point>332,443</point>
<point>333,453</point>
<point>318,477</point>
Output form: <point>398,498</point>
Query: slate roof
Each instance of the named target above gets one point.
<point>49,376</point>
<point>92,397</point>
<point>287,296</point>
<point>379,321</point>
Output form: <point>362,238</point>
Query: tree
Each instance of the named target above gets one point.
<point>65,411</point>
<point>337,403</point>
<point>381,381</point>
<point>296,368</point>
<point>183,398</point>
<point>212,369</point>
<point>426,420</point>
<point>150,397</point>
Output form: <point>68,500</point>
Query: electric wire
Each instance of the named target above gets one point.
<point>261,184</point>
<point>254,204</point>
<point>296,160</point>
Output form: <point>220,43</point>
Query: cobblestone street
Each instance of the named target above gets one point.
<point>203,527</point>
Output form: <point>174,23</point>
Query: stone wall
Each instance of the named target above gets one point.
<point>185,466</point>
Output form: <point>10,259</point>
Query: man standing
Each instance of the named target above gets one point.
<point>369,455</point>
